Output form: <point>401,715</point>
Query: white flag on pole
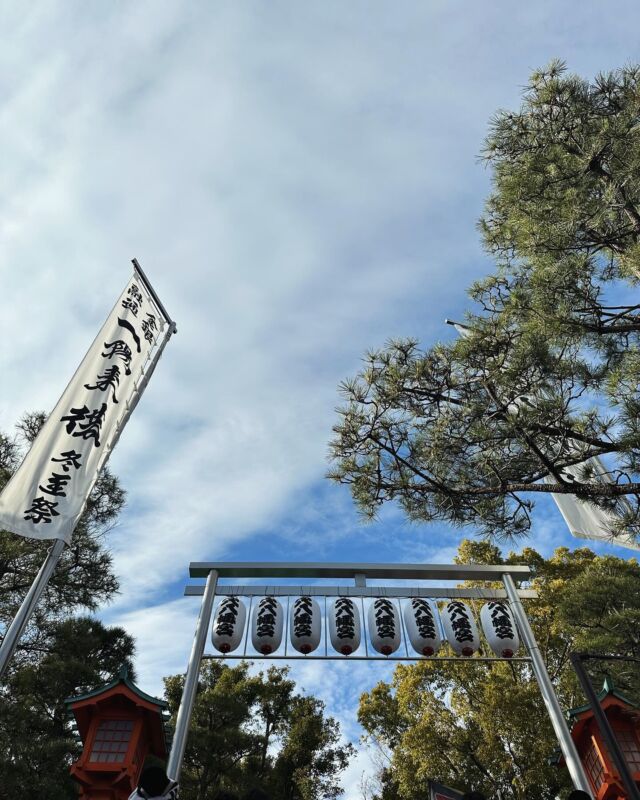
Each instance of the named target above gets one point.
<point>586,520</point>
<point>46,496</point>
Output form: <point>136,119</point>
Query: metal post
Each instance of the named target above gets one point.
<point>16,629</point>
<point>567,745</point>
<point>191,679</point>
<point>605,728</point>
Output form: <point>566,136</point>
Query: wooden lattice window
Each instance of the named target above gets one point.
<point>629,746</point>
<point>594,765</point>
<point>111,741</point>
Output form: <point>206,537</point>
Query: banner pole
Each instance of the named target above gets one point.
<point>19,623</point>
<point>174,763</point>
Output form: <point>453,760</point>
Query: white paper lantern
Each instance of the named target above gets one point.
<point>344,626</point>
<point>421,621</point>
<point>266,626</point>
<point>499,628</point>
<point>460,628</point>
<point>228,624</point>
<point>305,624</point>
<point>384,626</point>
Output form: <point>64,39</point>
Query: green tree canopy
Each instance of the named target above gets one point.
<point>37,743</point>
<point>484,726</point>
<point>60,654</point>
<point>251,730</point>
<point>566,170</point>
<point>545,375</point>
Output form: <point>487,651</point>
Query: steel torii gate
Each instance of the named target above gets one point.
<point>359,573</point>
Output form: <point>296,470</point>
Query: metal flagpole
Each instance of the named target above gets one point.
<point>174,764</point>
<point>19,623</point>
<point>567,745</point>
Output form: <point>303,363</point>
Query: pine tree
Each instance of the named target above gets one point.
<point>61,654</point>
<point>545,374</point>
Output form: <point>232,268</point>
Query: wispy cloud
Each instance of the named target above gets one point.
<point>301,183</point>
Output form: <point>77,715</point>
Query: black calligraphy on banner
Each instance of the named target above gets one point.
<point>119,349</point>
<point>460,622</point>
<point>267,615</point>
<point>385,619</point>
<point>501,620</point>
<point>56,484</point>
<point>302,616</point>
<point>424,618</point>
<point>108,380</point>
<point>69,459</point>
<point>227,616</point>
<point>85,423</point>
<point>345,618</point>
<point>133,301</point>
<point>88,422</point>
<point>124,323</point>
<point>42,510</point>
<point>149,327</point>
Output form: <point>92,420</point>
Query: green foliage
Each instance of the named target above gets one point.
<point>474,725</point>
<point>545,374</point>
<point>566,169</point>
<point>59,655</point>
<point>312,754</point>
<point>255,730</point>
<point>37,745</point>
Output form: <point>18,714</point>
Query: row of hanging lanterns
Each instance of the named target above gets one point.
<point>421,620</point>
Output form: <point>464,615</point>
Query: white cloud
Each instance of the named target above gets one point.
<point>300,183</point>
<point>163,633</point>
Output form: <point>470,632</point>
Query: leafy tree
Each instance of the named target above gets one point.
<point>37,744</point>
<point>59,655</point>
<point>484,726</point>
<point>545,376</point>
<point>255,730</point>
<point>311,754</point>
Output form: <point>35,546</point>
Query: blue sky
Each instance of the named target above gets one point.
<point>300,181</point>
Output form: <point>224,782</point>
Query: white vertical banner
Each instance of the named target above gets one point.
<point>46,496</point>
<point>586,520</point>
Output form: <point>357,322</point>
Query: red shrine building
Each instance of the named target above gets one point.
<point>119,726</point>
<point>624,718</point>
